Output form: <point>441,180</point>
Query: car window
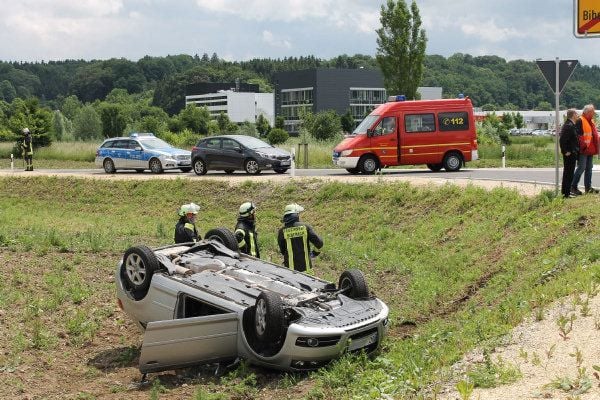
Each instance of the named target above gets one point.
<point>230,144</point>
<point>154,143</point>
<point>365,124</point>
<point>386,126</point>
<point>252,142</point>
<point>419,123</point>
<point>108,145</point>
<point>121,144</point>
<point>189,307</point>
<point>133,144</point>
<point>211,143</point>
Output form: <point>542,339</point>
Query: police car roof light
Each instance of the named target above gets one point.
<point>461,96</point>
<point>141,134</point>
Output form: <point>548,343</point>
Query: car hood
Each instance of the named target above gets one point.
<point>349,142</point>
<point>272,151</point>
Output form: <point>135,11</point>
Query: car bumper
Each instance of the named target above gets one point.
<point>266,163</point>
<point>346,162</point>
<point>172,163</point>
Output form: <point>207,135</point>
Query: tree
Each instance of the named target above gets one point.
<point>59,128</point>
<point>326,125</point>
<point>279,122</point>
<point>347,122</point>
<point>87,124</point>
<point>28,113</point>
<point>225,124</point>
<point>401,47</point>
<point>195,118</point>
<point>7,91</point>
<point>113,120</point>
<point>262,126</point>
<point>70,107</point>
<point>277,136</point>
<point>518,120</point>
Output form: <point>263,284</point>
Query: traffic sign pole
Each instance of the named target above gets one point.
<point>556,122</point>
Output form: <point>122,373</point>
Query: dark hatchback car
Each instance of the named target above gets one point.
<point>238,152</point>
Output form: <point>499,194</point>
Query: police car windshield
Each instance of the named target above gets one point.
<point>154,143</point>
<point>252,142</point>
<point>365,124</point>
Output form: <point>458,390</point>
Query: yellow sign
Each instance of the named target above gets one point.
<point>587,18</point>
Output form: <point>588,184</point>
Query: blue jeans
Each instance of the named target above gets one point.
<point>584,163</point>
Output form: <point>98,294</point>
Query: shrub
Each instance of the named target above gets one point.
<point>277,136</point>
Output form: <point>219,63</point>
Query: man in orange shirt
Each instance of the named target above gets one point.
<point>588,148</point>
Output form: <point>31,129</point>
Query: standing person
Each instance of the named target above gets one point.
<point>295,238</point>
<point>245,230</point>
<point>27,148</point>
<point>185,229</point>
<point>588,147</point>
<point>569,147</point>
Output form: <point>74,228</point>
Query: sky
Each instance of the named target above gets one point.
<point>237,30</point>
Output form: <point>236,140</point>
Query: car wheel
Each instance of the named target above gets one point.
<point>434,167</point>
<point>251,167</point>
<point>139,171</point>
<point>353,171</point>
<point>452,162</point>
<point>353,283</point>
<point>368,165</point>
<point>223,236</point>
<point>109,166</point>
<point>229,171</point>
<point>199,166</point>
<point>139,263</point>
<point>268,317</point>
<point>280,170</point>
<point>156,166</point>
<point>185,169</point>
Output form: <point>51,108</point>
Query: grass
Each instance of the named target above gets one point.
<point>461,266</point>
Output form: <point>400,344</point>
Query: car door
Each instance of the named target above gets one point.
<point>119,153</point>
<point>212,152</point>
<point>184,342</point>
<point>136,155</point>
<point>384,141</point>
<point>233,156</point>
<point>419,139</point>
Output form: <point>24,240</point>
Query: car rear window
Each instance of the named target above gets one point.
<point>211,143</point>
<point>419,123</point>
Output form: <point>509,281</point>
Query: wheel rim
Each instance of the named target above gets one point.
<point>155,165</point>
<point>260,319</point>
<point>108,166</point>
<point>199,167</point>
<point>135,269</point>
<point>252,167</point>
<point>453,162</point>
<point>346,284</point>
<point>370,165</point>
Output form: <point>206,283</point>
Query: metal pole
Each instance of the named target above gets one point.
<point>305,155</point>
<point>293,166</point>
<point>556,121</point>
<point>503,156</point>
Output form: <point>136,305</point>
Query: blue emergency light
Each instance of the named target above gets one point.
<point>461,96</point>
<point>399,97</point>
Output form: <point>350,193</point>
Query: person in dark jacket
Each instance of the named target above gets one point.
<point>295,239</point>
<point>569,147</point>
<point>185,229</point>
<point>245,230</point>
<point>27,148</point>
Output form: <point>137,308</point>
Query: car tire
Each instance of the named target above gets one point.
<point>268,317</point>
<point>109,166</point>
<point>452,162</point>
<point>199,166</point>
<point>353,171</point>
<point>139,264</point>
<point>223,236</point>
<point>280,170</point>
<point>139,171</point>
<point>155,166</point>
<point>229,171</point>
<point>185,169</point>
<point>251,166</point>
<point>354,283</point>
<point>435,167</point>
<point>368,164</point>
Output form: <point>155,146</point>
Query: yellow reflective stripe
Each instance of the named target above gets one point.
<point>437,144</point>
<point>252,244</point>
<point>306,255</point>
<point>288,244</point>
<point>294,231</point>
<point>419,154</point>
<point>242,243</point>
<point>189,226</point>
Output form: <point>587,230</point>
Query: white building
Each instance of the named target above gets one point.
<point>239,106</point>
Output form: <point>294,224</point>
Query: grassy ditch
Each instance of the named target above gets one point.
<point>459,267</point>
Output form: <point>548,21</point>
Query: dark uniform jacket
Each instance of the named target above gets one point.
<point>27,145</point>
<point>245,233</point>
<point>185,231</point>
<point>569,143</point>
<point>294,240</point>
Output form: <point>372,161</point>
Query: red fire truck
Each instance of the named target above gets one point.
<point>439,133</point>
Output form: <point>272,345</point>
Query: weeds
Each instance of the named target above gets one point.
<point>491,374</point>
<point>465,389</point>
<point>565,325</point>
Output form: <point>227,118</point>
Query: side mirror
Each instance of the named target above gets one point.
<point>138,148</point>
<point>238,149</point>
<point>370,132</point>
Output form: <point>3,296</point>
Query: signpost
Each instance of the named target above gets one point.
<point>557,73</point>
<point>587,18</point>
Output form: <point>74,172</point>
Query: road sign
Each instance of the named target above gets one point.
<point>587,18</point>
<point>565,70</point>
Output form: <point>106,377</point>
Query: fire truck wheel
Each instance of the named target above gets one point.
<point>368,165</point>
<point>452,162</point>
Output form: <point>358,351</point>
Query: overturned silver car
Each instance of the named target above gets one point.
<point>204,302</point>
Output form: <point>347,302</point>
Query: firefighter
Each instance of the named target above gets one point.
<point>245,230</point>
<point>295,239</point>
<point>27,148</point>
<point>185,230</point>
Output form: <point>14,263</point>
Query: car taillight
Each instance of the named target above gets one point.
<point>194,148</point>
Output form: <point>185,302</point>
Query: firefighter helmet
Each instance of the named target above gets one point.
<point>25,130</point>
<point>190,208</point>
<point>247,209</point>
<point>292,209</point>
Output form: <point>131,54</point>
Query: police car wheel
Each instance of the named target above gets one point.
<point>268,317</point>
<point>139,264</point>
<point>354,284</point>
<point>109,166</point>
<point>156,166</point>
<point>223,236</point>
<point>452,162</point>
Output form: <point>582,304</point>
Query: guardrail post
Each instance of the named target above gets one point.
<point>503,156</point>
<point>12,162</point>
<point>293,163</point>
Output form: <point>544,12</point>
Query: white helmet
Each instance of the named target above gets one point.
<point>292,209</point>
<point>190,208</point>
<point>247,209</point>
<point>25,130</point>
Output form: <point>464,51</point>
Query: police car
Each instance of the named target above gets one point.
<point>141,151</point>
